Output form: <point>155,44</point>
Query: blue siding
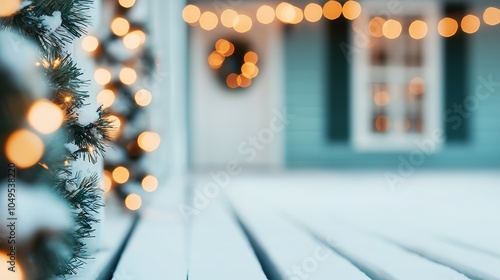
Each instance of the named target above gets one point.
<point>306,141</point>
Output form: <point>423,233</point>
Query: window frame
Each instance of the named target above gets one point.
<point>364,139</point>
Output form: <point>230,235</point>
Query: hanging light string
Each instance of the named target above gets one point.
<point>125,60</point>
<point>287,13</point>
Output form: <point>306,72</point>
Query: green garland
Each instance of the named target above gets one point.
<point>67,89</point>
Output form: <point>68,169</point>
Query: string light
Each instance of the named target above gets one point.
<point>285,12</point>
<point>215,60</point>
<point>45,117</point>
<point>265,14</point>
<point>232,80</point>
<point>126,3</point>
<point>148,141</point>
<point>447,27</point>
<point>491,16</point>
<point>9,7</point>
<point>128,76</point>
<point>102,76</point>
<point>229,18</point>
<point>133,201</point>
<point>191,14</point>
<point>67,99</point>
<point>24,148</point>
<point>90,43</point>
<point>418,29</point>
<point>106,97</point>
<point>5,273</point>
<point>244,24</point>
<point>115,124</point>
<point>224,47</point>
<point>382,123</point>
<point>141,34</point>
<point>391,29</point>
<point>351,10</point>
<point>313,12</point>
<point>132,41</point>
<point>120,26</point>
<point>249,70</point>
<point>299,16</point>
<point>375,26</point>
<point>332,10</point>
<point>208,21</point>
<point>108,183</point>
<point>251,57</point>
<point>243,81</point>
<point>470,24</point>
<point>120,175</point>
<point>56,63</point>
<point>149,183</point>
<point>143,97</point>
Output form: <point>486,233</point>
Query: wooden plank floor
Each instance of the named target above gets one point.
<point>313,225</point>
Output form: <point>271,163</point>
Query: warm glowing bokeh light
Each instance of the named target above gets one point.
<point>215,60</point>
<point>251,57</point>
<point>141,34</point>
<point>191,14</point>
<point>447,27</point>
<point>107,181</point>
<point>106,97</point>
<point>391,29</point>
<point>120,26</point>
<point>9,7</point>
<point>313,12</point>
<point>223,47</point>
<point>299,16</point>
<point>132,41</point>
<point>470,24</point>
<point>149,141</point>
<point>375,26</point>
<point>149,183</point>
<point>208,20</point>
<point>491,16</point>
<point>126,3</point>
<point>102,76</point>
<point>90,43</point>
<point>418,29</point>
<point>133,201</point>
<point>231,80</point>
<point>244,24</point>
<point>332,10</point>
<point>128,76</point>
<point>45,117</point>
<point>381,98</point>
<point>5,273</point>
<point>248,70</point>
<point>382,123</point>
<point>143,97</point>
<point>351,10</point>
<point>285,12</point>
<point>115,124</point>
<point>228,18</point>
<point>121,175</point>
<point>243,81</point>
<point>265,14</point>
<point>24,148</point>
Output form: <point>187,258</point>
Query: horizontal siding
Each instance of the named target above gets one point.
<point>306,141</point>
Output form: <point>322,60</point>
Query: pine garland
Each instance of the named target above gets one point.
<point>67,91</point>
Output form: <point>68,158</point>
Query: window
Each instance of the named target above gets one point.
<point>396,78</point>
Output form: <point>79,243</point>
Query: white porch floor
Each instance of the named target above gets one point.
<point>325,225</point>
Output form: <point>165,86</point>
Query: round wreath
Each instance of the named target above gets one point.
<point>235,64</point>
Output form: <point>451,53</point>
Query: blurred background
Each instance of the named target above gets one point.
<point>274,140</point>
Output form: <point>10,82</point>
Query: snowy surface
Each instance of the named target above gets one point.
<point>324,225</point>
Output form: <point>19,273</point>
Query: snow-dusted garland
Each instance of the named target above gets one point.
<point>52,24</point>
